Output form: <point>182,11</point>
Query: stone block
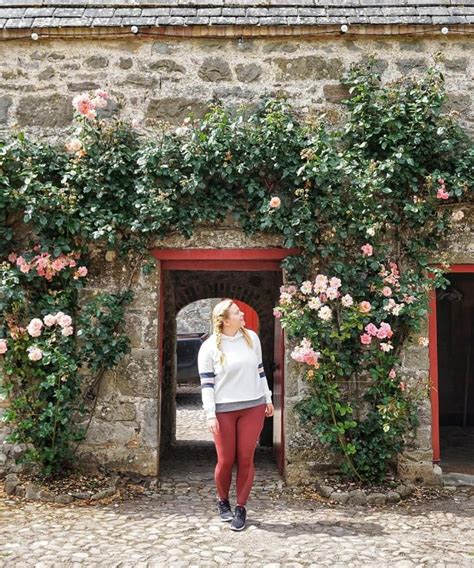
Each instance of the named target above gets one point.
<point>109,434</point>
<point>335,93</point>
<point>215,69</point>
<point>376,499</point>
<point>138,374</point>
<point>5,104</point>
<point>175,109</point>
<point>51,111</point>
<point>11,483</point>
<point>148,420</point>
<point>308,67</point>
<point>166,66</point>
<point>248,73</point>
<point>118,412</point>
<point>96,62</point>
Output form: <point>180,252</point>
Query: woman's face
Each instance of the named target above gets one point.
<point>235,319</point>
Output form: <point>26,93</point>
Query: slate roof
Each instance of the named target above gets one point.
<point>18,14</point>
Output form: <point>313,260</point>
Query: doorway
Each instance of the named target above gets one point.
<point>253,277</point>
<point>455,372</point>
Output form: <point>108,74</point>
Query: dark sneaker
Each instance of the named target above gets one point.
<point>225,511</point>
<point>240,516</point>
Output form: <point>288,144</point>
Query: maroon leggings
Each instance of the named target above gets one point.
<point>236,441</point>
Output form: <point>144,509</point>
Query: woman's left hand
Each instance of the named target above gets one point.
<point>269,410</point>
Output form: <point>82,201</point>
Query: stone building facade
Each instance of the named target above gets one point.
<point>175,61</point>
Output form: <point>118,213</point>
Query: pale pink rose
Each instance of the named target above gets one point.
<point>335,282</point>
<point>57,264</point>
<point>73,145</point>
<point>390,305</point>
<point>64,320</point>
<point>80,272</point>
<point>99,102</point>
<point>386,347</point>
<point>314,303</point>
<point>367,250</point>
<point>72,263</point>
<point>423,341</point>
<point>102,94</point>
<point>84,106</point>
<point>371,329</point>
<point>49,320</point>
<point>25,268</point>
<point>325,313</point>
<point>332,293</point>
<point>292,289</point>
<point>12,257</point>
<point>409,299</point>
<point>276,313</point>
<point>304,353</point>
<point>365,307</point>
<point>387,291</point>
<point>66,331</point>
<point>136,123</point>
<point>285,298</point>
<point>20,260</point>
<point>365,339</point>
<point>34,327</point>
<point>306,287</point>
<point>347,301</point>
<point>275,202</point>
<point>392,374</point>
<point>3,346</point>
<point>34,354</point>
<point>320,283</point>
<point>386,329</point>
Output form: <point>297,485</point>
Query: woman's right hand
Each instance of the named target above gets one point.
<point>213,425</point>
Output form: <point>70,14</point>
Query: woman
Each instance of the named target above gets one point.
<point>236,399</point>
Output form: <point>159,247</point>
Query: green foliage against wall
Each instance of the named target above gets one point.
<point>365,203</point>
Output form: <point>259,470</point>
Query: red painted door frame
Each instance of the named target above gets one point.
<point>254,259</point>
<point>433,356</point>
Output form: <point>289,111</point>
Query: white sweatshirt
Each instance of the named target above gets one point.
<point>241,378</point>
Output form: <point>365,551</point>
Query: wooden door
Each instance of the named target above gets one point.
<point>278,398</point>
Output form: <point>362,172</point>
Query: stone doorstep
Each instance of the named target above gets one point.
<point>35,492</point>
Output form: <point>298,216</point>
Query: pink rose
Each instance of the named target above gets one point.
<point>402,386</point>
<point>387,291</point>
<point>49,320</point>
<point>392,374</point>
<point>365,307</point>
<point>275,202</point>
<point>84,106</point>
<point>25,268</point>
<point>63,320</point>
<point>367,250</point>
<point>34,354</point>
<point>66,331</point>
<point>34,327</point>
<point>347,301</point>
<point>12,257</point>
<point>442,194</point>
<point>335,282</point>
<point>365,339</point>
<point>384,331</point>
<point>3,346</point>
<point>371,329</point>
<point>277,313</point>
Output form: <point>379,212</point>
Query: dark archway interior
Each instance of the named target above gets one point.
<point>455,317</point>
<point>258,289</point>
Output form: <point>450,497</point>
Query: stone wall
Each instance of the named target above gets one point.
<point>196,317</point>
<point>163,81</point>
<point>168,78</point>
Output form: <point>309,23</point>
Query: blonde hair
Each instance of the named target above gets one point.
<point>219,314</point>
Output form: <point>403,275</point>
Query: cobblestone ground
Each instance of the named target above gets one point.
<point>176,526</point>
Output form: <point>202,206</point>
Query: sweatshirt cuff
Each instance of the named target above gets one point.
<point>210,414</point>
<point>268,398</point>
